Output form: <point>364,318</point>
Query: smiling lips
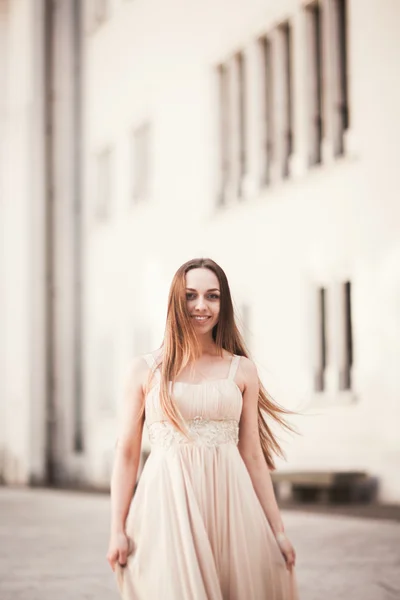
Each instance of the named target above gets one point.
<point>200,319</point>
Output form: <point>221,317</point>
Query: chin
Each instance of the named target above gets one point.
<point>205,329</point>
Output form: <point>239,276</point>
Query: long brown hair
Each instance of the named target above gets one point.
<point>181,348</point>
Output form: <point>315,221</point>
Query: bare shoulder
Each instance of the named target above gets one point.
<point>247,366</point>
<point>248,373</point>
<point>157,355</point>
<point>138,371</point>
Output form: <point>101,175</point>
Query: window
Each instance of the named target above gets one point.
<point>340,74</point>
<point>315,81</point>
<point>267,109</point>
<point>233,127</point>
<point>333,349</point>
<point>141,162</point>
<point>285,48</point>
<point>321,358</point>
<point>224,141</point>
<point>240,67</point>
<point>347,339</point>
<point>103,191</point>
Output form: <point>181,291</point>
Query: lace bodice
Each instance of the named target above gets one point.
<point>211,410</point>
<point>201,432</point>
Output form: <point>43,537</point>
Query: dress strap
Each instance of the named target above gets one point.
<point>234,365</point>
<point>151,361</point>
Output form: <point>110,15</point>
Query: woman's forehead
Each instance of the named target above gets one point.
<point>202,278</point>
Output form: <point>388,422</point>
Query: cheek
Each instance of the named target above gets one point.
<point>216,310</point>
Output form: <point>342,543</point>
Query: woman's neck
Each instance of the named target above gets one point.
<point>207,346</point>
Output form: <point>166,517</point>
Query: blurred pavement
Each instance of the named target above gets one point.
<point>53,546</point>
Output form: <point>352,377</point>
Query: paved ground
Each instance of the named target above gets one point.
<point>53,546</point>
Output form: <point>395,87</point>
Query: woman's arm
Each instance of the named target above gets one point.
<point>250,446</point>
<point>252,454</point>
<point>127,457</point>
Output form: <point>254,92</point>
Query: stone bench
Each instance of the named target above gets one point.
<point>333,487</point>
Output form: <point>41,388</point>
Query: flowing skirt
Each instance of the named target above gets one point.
<point>199,532</point>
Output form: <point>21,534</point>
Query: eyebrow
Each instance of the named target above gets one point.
<point>212,290</point>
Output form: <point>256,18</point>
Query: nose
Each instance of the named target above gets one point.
<point>200,304</point>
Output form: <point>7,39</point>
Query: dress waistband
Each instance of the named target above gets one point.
<point>201,432</point>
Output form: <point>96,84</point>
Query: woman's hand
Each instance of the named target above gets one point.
<point>288,552</point>
<point>119,549</point>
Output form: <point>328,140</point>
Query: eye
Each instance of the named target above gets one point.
<point>189,296</point>
<point>214,296</point>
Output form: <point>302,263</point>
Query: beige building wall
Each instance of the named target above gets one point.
<point>20,440</point>
<point>155,63</point>
<point>39,261</point>
<point>152,179</point>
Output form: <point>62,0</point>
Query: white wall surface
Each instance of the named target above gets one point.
<point>154,60</point>
<point>16,185</point>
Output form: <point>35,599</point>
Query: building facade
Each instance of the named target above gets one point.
<point>262,134</point>
<point>41,415</point>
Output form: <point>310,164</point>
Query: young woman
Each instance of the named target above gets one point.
<point>204,523</point>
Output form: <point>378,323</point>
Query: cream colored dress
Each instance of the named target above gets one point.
<point>197,525</point>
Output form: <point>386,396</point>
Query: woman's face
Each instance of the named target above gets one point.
<point>203,298</point>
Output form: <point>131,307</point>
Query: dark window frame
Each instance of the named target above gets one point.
<point>341,105</point>
<point>286,31</point>
<point>345,374</point>
<point>240,65</point>
<point>268,148</point>
<point>320,372</point>
<point>314,15</point>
